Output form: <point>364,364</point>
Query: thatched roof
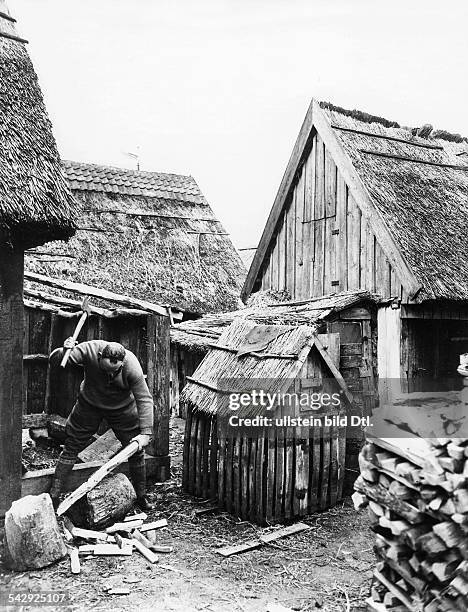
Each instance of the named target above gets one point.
<point>223,371</point>
<point>411,185</point>
<point>420,187</point>
<point>201,334</point>
<point>146,234</point>
<point>35,201</point>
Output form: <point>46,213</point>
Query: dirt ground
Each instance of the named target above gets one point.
<point>327,567</point>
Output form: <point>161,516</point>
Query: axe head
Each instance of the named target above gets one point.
<point>85,306</point>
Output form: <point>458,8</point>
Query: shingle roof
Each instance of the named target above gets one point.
<point>110,179</point>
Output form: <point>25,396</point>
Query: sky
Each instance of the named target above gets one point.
<point>218,89</point>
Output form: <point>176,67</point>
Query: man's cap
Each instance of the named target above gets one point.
<point>113,351</point>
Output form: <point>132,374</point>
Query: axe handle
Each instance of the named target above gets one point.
<point>79,325</point>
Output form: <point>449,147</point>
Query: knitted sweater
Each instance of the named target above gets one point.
<point>101,390</point>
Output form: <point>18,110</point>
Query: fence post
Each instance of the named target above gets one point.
<point>158,381</point>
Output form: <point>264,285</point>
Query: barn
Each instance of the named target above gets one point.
<point>36,206</point>
<point>366,204</point>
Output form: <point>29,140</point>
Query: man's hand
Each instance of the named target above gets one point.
<point>142,439</point>
<point>69,343</point>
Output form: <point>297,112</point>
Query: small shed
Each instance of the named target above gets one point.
<point>141,326</point>
<point>35,207</point>
<point>290,461</point>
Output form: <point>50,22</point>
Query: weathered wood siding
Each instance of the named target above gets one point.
<point>323,244</point>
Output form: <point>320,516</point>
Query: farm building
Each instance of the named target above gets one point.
<point>366,204</point>
<point>264,473</point>
<point>35,207</point>
<point>345,323</point>
<point>149,235</point>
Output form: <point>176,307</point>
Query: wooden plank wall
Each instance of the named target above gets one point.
<point>45,330</point>
<point>323,243</point>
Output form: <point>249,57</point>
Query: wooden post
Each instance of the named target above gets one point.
<point>158,382</point>
<point>11,373</point>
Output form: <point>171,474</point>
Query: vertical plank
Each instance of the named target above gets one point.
<point>363,271</point>
<point>213,485</point>
<point>270,478</point>
<point>158,381</point>
<point>289,473</point>
<point>11,372</point>
<point>228,472</point>
<point>236,475</point>
<point>341,226</point>
<point>299,218</point>
<point>259,479</point>
<point>314,469</point>
<point>221,471</point>
<point>334,452</point>
<point>199,454</point>
<point>49,373</point>
<point>330,185</point>
<point>279,475</point>
<point>319,203</point>
<point>325,467</point>
<point>245,473</point>
<point>187,458</point>
<point>353,243</point>
<point>206,458</point>
<point>309,229</point>
<point>341,461</point>
<point>291,247</point>
<point>282,255</point>
<point>301,477</point>
<point>253,480</point>
<point>319,258</point>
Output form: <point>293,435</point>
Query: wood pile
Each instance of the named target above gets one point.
<point>417,495</point>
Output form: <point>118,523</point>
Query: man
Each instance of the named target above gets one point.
<point>113,388</point>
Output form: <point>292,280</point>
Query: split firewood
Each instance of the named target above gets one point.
<point>460,500</point>
<point>153,525</point>
<point>360,501</point>
<point>157,548</point>
<point>431,544</point>
<point>456,451</point>
<point>449,533</point>
<point>86,549</point>
<point>396,527</point>
<point>75,566</point>
<point>89,534</point>
<point>125,526</point>
<point>112,549</point>
<point>443,570</point>
<point>146,552</point>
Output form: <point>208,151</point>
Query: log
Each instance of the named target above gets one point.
<point>109,502</point>
<point>32,534</point>
<point>97,477</point>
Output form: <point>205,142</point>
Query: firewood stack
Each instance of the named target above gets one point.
<point>417,496</point>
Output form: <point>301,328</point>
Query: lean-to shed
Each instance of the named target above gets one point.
<point>366,204</point>
<point>35,207</point>
<point>150,235</point>
<point>271,469</point>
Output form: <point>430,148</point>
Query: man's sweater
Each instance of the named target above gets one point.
<point>100,389</point>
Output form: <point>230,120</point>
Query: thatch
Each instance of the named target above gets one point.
<point>422,198</point>
<point>146,234</point>
<point>225,372</point>
<point>201,334</point>
<point>35,201</point>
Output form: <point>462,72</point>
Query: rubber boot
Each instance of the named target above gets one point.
<point>138,477</point>
<point>59,481</point>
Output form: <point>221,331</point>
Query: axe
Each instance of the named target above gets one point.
<point>86,311</point>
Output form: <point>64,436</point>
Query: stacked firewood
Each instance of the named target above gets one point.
<point>417,497</point>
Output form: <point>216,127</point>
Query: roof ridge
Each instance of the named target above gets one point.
<point>71,163</point>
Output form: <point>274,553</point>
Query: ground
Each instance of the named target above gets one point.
<point>326,568</point>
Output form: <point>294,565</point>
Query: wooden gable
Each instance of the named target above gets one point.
<point>324,234</point>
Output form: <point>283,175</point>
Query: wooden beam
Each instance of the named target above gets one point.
<point>414,160</point>
<point>11,374</point>
<point>97,292</point>
<point>387,137</point>
<point>159,365</point>
<point>364,200</point>
<point>298,155</point>
<point>334,370</point>
<point>39,481</point>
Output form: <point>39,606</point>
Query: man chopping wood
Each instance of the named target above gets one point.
<point>113,388</point>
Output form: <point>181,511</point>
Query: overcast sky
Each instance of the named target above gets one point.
<point>218,88</point>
